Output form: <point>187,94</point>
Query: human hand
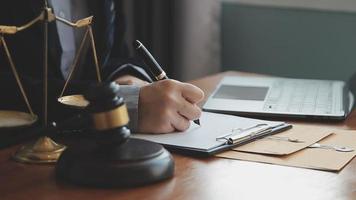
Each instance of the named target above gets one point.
<point>130,80</point>
<point>168,105</point>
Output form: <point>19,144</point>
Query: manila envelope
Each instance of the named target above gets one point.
<point>312,158</point>
<point>273,145</point>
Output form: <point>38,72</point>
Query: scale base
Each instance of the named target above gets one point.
<point>44,150</point>
<point>136,162</point>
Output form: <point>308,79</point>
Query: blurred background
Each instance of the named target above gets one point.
<point>292,38</point>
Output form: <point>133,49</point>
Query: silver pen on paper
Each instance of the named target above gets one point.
<point>239,130</point>
<point>255,131</point>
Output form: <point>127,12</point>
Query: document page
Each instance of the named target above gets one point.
<point>204,137</point>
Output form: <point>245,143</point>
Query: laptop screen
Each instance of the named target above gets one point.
<point>241,92</point>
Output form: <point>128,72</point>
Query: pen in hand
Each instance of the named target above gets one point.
<point>154,67</point>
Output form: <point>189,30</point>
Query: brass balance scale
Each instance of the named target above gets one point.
<point>44,150</point>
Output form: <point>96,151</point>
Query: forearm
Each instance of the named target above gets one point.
<point>130,93</point>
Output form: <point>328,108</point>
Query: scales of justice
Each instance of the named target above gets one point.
<point>114,159</point>
<point>44,150</point>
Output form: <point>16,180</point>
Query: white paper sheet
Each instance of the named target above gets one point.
<point>204,137</point>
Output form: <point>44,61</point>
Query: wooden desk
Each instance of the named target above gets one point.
<point>210,178</point>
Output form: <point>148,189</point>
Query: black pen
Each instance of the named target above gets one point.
<point>152,64</point>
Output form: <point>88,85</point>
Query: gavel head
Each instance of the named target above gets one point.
<point>113,160</point>
<point>109,114</point>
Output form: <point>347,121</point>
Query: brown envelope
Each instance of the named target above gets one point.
<point>275,145</point>
<point>321,159</point>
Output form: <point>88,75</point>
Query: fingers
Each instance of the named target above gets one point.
<point>189,110</point>
<point>179,122</point>
<point>168,106</point>
<point>192,93</point>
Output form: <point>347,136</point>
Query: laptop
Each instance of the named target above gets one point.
<point>281,97</point>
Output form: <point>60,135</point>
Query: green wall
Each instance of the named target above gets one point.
<point>288,42</point>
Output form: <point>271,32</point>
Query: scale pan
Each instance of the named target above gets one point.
<point>16,119</point>
<point>76,101</point>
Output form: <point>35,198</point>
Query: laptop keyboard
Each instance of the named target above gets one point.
<point>300,97</point>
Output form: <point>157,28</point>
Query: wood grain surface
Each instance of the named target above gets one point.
<point>195,178</point>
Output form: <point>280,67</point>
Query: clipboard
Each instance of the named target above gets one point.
<point>217,133</point>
